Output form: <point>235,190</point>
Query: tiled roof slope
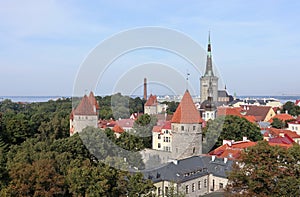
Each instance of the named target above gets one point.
<point>186,112</point>
<point>85,107</point>
<point>259,112</point>
<point>225,111</point>
<point>93,100</point>
<point>282,117</point>
<point>152,101</point>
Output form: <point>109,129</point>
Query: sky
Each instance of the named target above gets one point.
<point>255,44</point>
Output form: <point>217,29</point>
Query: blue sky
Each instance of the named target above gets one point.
<point>255,43</point>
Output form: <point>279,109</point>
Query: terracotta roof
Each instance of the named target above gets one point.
<point>232,151</point>
<point>85,107</point>
<point>152,101</point>
<point>157,129</point>
<point>276,132</point>
<point>282,140</point>
<point>282,117</point>
<point>93,100</point>
<point>118,129</point>
<point>226,111</point>
<point>259,112</point>
<point>125,123</point>
<point>250,118</point>
<point>167,125</point>
<point>186,112</point>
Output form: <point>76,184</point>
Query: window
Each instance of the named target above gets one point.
<point>221,186</point>
<point>205,183</point>
<point>158,191</point>
<point>199,185</point>
<point>166,132</point>
<point>182,128</point>
<point>159,137</point>
<point>159,145</point>
<point>194,150</point>
<point>194,128</point>
<point>166,190</point>
<point>193,187</point>
<point>164,139</point>
<point>186,189</point>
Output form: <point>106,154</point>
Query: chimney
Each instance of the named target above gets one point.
<point>281,134</point>
<point>278,112</point>
<point>245,139</point>
<point>145,88</point>
<point>213,158</point>
<point>225,160</point>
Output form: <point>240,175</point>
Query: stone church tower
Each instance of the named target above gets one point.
<point>186,129</point>
<point>209,80</point>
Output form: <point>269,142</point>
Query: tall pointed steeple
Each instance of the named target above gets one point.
<point>209,81</point>
<point>209,68</point>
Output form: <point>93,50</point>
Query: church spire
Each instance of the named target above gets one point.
<point>209,69</point>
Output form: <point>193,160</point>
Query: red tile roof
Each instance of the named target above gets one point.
<point>226,111</point>
<point>167,125</point>
<point>282,117</point>
<point>118,129</point>
<point>250,118</point>
<point>276,133</point>
<point>85,107</point>
<point>235,149</point>
<point>157,129</point>
<point>186,112</point>
<point>281,140</point>
<point>93,100</point>
<point>259,112</point>
<point>152,101</point>
<point>125,123</point>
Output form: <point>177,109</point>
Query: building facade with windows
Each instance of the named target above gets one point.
<point>193,177</point>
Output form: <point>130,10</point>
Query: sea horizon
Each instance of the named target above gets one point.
<point>31,99</point>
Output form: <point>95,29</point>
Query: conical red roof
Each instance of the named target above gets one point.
<point>186,112</point>
<point>93,100</point>
<point>85,107</point>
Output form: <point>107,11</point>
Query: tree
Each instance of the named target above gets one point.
<point>228,128</point>
<point>172,106</point>
<point>143,128</point>
<point>278,124</point>
<point>37,179</point>
<point>291,108</point>
<point>264,170</point>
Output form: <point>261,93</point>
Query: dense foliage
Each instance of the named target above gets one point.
<point>118,106</point>
<point>228,128</point>
<point>38,158</point>
<point>266,171</point>
<point>291,108</point>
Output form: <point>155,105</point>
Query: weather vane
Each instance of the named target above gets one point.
<point>187,79</point>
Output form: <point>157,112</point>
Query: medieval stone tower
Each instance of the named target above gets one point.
<point>186,129</point>
<point>209,80</point>
<point>84,115</point>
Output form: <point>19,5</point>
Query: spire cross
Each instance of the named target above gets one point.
<point>187,79</point>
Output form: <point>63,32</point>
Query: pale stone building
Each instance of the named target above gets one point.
<point>153,107</point>
<point>193,176</point>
